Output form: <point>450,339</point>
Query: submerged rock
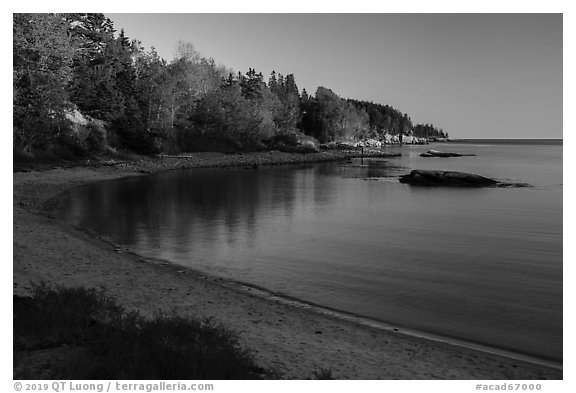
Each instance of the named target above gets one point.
<point>436,153</point>
<point>419,177</point>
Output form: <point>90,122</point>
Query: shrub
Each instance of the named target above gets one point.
<point>309,146</point>
<point>322,373</point>
<point>69,146</point>
<point>125,345</point>
<point>293,143</point>
<point>63,315</point>
<point>280,141</point>
<point>96,140</point>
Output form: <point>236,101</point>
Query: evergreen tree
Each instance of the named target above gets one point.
<point>42,60</point>
<point>290,87</point>
<point>252,84</point>
<point>273,83</point>
<point>94,87</point>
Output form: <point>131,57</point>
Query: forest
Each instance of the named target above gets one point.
<point>81,88</point>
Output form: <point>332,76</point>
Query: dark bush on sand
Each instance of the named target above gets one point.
<point>122,345</point>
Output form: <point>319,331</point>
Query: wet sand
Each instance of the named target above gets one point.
<point>292,339</point>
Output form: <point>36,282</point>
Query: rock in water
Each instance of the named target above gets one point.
<point>436,153</point>
<point>420,177</point>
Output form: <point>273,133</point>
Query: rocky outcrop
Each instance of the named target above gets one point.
<point>436,153</point>
<point>419,177</point>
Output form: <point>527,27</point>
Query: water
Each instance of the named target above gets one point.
<point>483,265</point>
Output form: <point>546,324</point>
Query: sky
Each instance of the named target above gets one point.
<point>473,75</point>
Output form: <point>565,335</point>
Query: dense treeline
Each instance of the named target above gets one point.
<point>384,119</point>
<point>81,87</point>
<point>428,131</point>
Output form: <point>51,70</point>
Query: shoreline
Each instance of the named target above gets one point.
<point>274,296</point>
<point>380,353</point>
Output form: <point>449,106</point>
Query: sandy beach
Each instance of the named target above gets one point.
<point>292,340</point>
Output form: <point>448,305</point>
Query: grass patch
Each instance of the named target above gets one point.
<point>111,343</point>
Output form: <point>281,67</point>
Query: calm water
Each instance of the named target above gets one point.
<point>483,265</point>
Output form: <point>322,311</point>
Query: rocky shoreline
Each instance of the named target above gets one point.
<point>292,340</point>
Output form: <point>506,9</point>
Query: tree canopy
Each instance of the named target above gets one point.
<point>129,98</point>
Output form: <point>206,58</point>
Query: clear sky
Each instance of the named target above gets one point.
<point>474,75</point>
